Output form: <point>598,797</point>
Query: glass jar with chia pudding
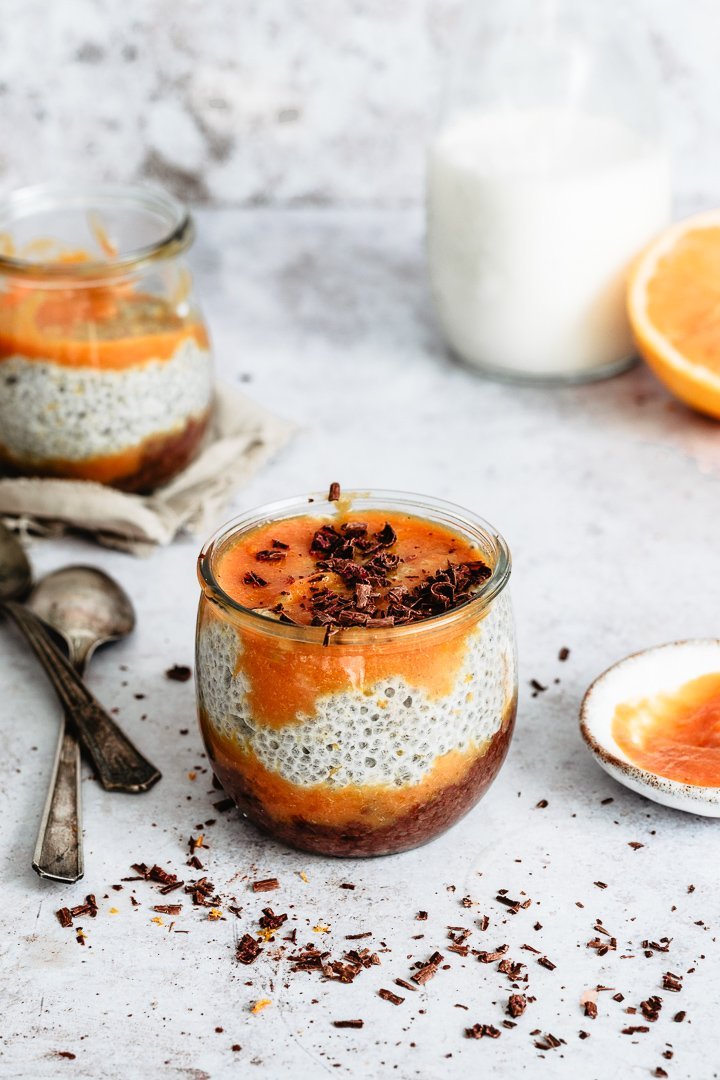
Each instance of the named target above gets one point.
<point>356,668</point>
<point>105,365</point>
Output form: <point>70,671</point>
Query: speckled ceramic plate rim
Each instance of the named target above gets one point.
<point>691,798</point>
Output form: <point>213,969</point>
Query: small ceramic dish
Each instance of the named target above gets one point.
<point>662,669</point>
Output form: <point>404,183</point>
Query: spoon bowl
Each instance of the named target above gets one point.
<point>85,606</point>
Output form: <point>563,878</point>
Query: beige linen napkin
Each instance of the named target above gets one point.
<point>243,438</point>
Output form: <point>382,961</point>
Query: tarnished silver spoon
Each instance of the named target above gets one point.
<point>118,763</point>
<point>87,608</point>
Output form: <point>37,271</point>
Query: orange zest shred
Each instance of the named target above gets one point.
<point>260,1005</point>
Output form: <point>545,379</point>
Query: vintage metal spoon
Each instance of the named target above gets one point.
<point>87,608</point>
<point>119,764</point>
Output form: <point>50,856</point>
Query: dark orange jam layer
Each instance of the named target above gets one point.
<point>140,469</point>
<point>111,327</point>
<point>359,821</point>
<point>675,735</point>
<point>286,676</point>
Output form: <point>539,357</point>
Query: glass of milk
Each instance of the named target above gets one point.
<point>547,175</point>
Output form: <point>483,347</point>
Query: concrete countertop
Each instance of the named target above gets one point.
<point>607,495</point>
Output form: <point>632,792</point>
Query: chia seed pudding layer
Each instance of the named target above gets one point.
<point>382,727</point>
<point>55,413</point>
<point>407,764</point>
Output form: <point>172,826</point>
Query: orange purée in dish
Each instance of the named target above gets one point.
<point>423,547</point>
<point>676,734</point>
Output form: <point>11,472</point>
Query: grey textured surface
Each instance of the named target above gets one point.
<point>287,101</point>
<point>606,495</point>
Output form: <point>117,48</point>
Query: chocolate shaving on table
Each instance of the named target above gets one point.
<point>248,949</point>
<point>348,1023</point>
<point>387,995</point>
<point>491,957</point>
<point>428,970</point>
<point>549,1042</point>
<point>265,884</point>
<point>405,985</point>
<point>544,962</point>
<point>179,673</point>
<point>66,915</point>
<point>591,1010</point>
<point>271,921</point>
<point>513,906</point>
<point>517,1004</point>
<point>482,1031</point>
<point>651,1007</point>
<point>168,909</point>
<point>563,654</point>
<point>334,492</point>
<point>672,982</point>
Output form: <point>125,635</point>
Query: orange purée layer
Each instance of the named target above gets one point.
<point>676,735</point>
<point>371,805</point>
<point>285,676</point>
<point>65,326</point>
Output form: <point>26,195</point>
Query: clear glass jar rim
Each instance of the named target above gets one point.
<point>40,197</point>
<point>419,505</point>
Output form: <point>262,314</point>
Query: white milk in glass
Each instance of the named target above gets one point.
<point>534,217</point>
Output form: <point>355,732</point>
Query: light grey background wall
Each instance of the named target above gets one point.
<point>240,102</point>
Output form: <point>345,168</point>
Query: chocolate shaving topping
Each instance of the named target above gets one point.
<point>334,492</point>
<point>251,578</point>
<point>270,555</point>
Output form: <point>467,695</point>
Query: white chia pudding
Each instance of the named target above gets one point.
<point>391,734</point>
<point>51,411</point>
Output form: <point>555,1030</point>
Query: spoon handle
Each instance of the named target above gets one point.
<point>119,765</point>
<point>58,851</point>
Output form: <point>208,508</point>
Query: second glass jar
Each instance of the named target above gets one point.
<point>105,362</point>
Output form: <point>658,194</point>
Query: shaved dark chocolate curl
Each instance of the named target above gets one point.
<point>248,949</point>
<point>251,578</point>
<point>334,492</point>
<point>270,555</point>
